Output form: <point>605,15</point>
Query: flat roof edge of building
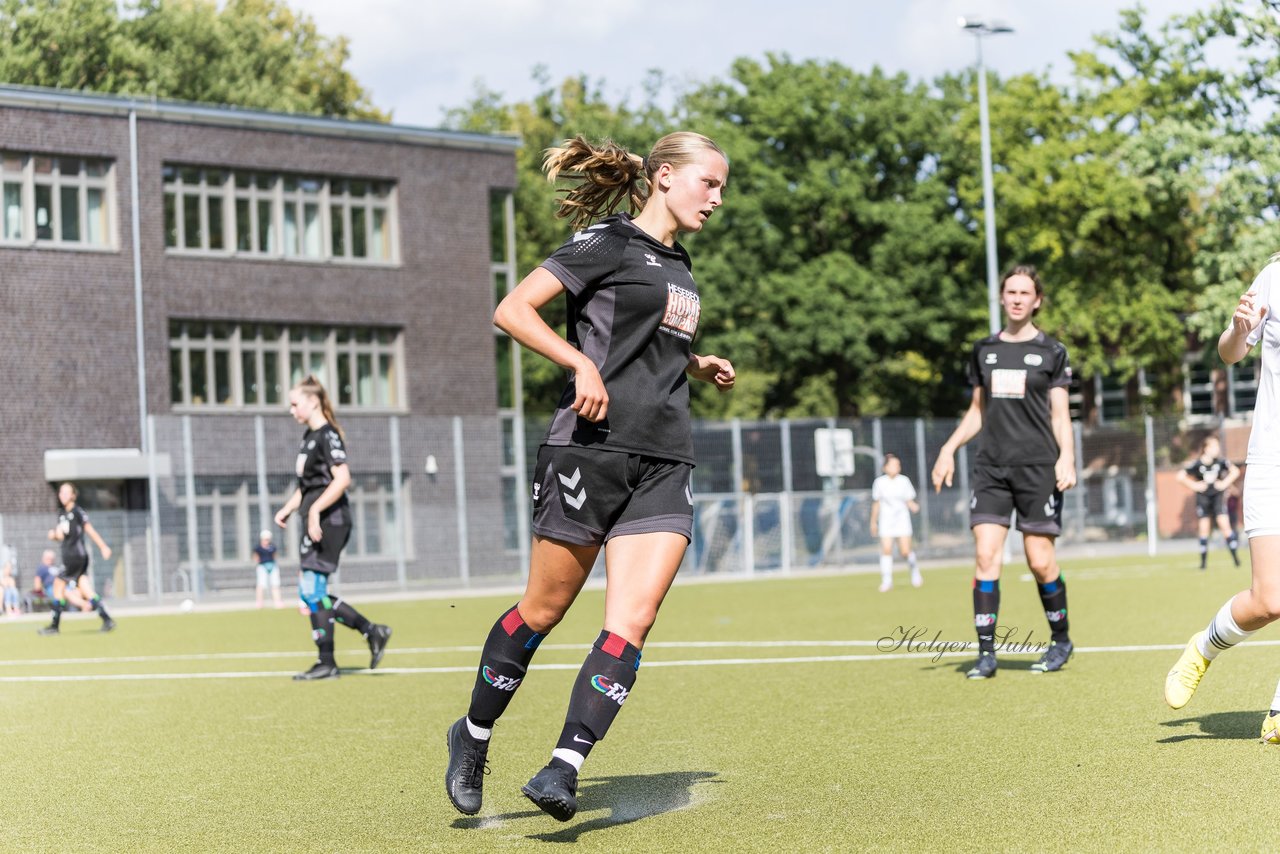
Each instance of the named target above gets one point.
<point>72,464</point>
<point>65,100</point>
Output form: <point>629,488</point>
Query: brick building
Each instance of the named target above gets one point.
<point>262,246</point>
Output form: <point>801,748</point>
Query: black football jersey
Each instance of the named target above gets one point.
<point>1015,377</point>
<point>71,523</point>
<point>321,450</point>
<point>1210,472</point>
<point>633,309</point>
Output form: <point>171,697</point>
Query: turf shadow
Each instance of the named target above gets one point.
<point>630,798</point>
<point>627,798</point>
<point>1237,726</point>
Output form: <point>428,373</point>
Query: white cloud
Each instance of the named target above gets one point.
<point>421,58</point>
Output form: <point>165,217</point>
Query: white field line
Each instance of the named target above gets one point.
<point>710,662</point>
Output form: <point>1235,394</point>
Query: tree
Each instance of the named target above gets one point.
<point>250,53</point>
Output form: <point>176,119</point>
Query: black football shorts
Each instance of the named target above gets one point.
<point>587,497</point>
<point>1031,490</point>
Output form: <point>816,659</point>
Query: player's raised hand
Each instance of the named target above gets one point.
<point>1248,314</point>
<point>943,471</point>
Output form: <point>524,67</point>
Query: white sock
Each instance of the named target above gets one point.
<point>478,733</point>
<point>886,568</point>
<point>1223,633</point>
<point>573,757</point>
<point>911,561</point>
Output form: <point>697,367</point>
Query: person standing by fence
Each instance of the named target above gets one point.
<point>893,500</point>
<point>1209,476</point>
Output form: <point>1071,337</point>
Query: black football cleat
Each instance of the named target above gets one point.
<point>985,668</point>
<point>108,625</point>
<point>319,670</point>
<point>47,630</point>
<point>554,790</point>
<point>1054,658</point>
<point>377,637</point>
<point>464,777</point>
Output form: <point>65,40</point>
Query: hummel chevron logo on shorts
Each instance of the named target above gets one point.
<point>574,501</point>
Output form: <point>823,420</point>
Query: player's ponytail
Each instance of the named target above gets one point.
<point>608,174</point>
<point>312,386</point>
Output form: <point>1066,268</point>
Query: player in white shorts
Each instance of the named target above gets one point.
<point>893,501</point>
<point>1249,610</point>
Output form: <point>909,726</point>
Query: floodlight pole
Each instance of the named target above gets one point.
<point>980,29</point>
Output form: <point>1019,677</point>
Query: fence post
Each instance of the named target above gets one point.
<point>922,478</point>
<point>1153,526</point>
<point>460,500</point>
<point>154,562</point>
<point>1078,494</point>
<point>877,441</point>
<point>193,525</point>
<point>735,435</point>
<point>264,498</point>
<point>784,500</point>
<point>397,499</point>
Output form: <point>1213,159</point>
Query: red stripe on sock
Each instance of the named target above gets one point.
<point>512,621</point>
<point>614,645</point>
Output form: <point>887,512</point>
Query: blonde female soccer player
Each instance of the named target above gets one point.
<point>893,500</point>
<point>614,469</point>
<point>1254,321</point>
<point>323,478</point>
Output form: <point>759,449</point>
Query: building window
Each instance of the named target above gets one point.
<point>228,518</point>
<point>1197,386</point>
<point>56,201</point>
<point>1242,386</point>
<point>239,365</point>
<point>305,217</point>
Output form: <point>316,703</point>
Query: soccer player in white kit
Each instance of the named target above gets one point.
<point>893,501</point>
<point>1249,610</point>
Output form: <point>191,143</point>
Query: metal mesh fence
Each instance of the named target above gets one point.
<point>441,501</point>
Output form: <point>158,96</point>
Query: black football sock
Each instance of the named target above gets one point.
<point>1204,552</point>
<point>349,616</point>
<point>602,686</point>
<point>1233,543</point>
<point>503,664</point>
<point>322,634</point>
<point>986,609</point>
<point>1053,596</point>
<point>96,602</point>
<point>57,606</point>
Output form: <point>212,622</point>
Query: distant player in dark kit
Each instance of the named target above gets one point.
<point>72,528</point>
<point>1209,476</point>
<point>614,470</point>
<point>264,555</point>
<point>323,478</point>
<point>1027,459</point>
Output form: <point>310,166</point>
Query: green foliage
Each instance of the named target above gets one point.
<point>846,272</point>
<point>248,53</point>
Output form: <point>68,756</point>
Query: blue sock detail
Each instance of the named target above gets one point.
<point>988,586</point>
<point>1050,588</point>
<point>532,643</point>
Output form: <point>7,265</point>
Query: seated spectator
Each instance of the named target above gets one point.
<point>12,601</point>
<point>42,583</point>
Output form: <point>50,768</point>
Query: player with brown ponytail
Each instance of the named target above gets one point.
<point>614,469</point>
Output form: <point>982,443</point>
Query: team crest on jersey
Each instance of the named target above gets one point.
<point>991,358</point>
<point>683,310</point>
<point>1033,359</point>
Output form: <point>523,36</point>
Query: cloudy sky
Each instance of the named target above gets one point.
<point>421,57</point>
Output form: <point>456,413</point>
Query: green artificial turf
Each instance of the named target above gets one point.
<point>865,749</point>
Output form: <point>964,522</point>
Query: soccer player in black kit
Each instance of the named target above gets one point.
<point>1209,476</point>
<point>1026,461</point>
<point>323,478</point>
<point>614,470</point>
<point>72,528</point>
